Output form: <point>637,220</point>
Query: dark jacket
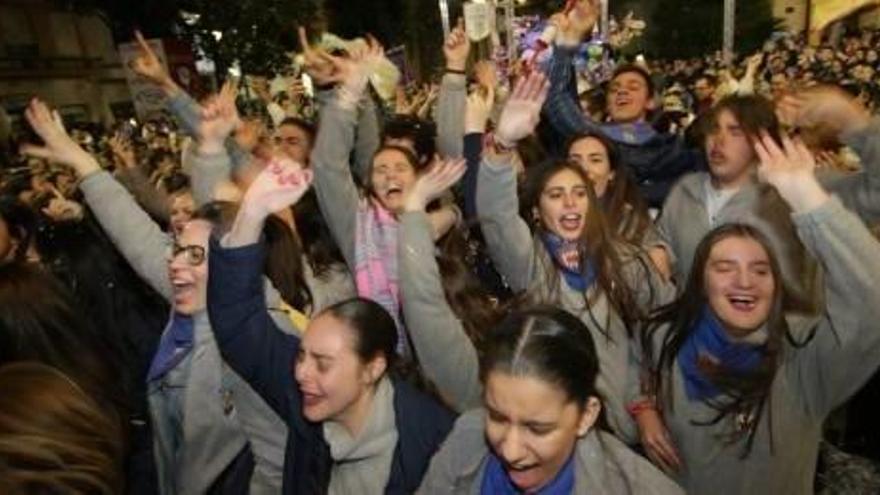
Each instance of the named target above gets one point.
<point>264,356</point>
<point>656,164</point>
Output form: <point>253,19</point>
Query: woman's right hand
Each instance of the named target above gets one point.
<point>656,440</point>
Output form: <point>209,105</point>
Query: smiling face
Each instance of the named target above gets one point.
<point>562,207</point>
<point>629,99</point>
<point>391,177</point>
<point>334,382</point>
<point>532,426</point>
<point>739,284</point>
<point>189,279</point>
<point>730,154</point>
<point>592,156</point>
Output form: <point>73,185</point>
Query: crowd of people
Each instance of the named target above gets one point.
<point>485,285</point>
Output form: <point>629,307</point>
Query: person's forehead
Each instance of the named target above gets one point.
<point>629,77</point>
<point>195,232</point>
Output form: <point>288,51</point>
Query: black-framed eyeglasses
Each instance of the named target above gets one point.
<point>193,255</point>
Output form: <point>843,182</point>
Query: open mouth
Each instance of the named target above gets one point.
<point>522,477</point>
<point>571,222</point>
<point>311,399</point>
<point>743,302</point>
<point>393,190</point>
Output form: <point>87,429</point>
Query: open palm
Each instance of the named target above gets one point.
<point>522,111</point>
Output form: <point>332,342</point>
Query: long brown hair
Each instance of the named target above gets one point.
<point>599,245</point>
<point>747,392</point>
<point>54,437</point>
<point>624,207</point>
<point>475,307</point>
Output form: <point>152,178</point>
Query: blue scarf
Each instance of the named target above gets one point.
<point>638,133</point>
<point>175,344</point>
<point>709,340</point>
<point>577,279</point>
<point>496,481</point>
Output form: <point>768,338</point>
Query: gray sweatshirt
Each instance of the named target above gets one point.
<point>451,104</point>
<point>526,266</point>
<point>446,354</point>
<point>810,382</point>
<point>685,221</point>
<point>212,432</point>
<point>603,465</point>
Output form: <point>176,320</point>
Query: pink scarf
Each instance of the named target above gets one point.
<point>376,262</point>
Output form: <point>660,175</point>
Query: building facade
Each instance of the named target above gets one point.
<point>69,60</point>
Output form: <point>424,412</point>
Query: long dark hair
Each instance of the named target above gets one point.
<point>21,224</point>
<point>475,307</point>
<point>624,207</point>
<point>54,437</point>
<point>314,234</point>
<point>284,266</point>
<point>39,322</point>
<point>599,245</point>
<point>748,392</point>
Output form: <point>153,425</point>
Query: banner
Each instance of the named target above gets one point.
<point>149,100</point>
<point>824,12</point>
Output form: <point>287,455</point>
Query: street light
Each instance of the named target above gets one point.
<point>729,24</point>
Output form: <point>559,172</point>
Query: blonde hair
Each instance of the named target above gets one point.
<point>54,438</point>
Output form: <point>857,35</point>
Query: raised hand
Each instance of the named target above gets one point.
<point>441,175</point>
<point>353,71</point>
<point>148,65</point>
<point>58,145</point>
<point>280,184</point>
<point>316,64</point>
<point>478,108</point>
<point>522,112</point>
<point>826,105</point>
<point>457,47</point>
<point>791,170</point>
<point>219,119</point>
<point>122,150</point>
<point>576,21</point>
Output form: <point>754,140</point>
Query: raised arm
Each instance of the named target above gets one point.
<point>845,351</point>
<point>834,109</point>
<point>210,163</point>
<point>335,188</point>
<point>445,353</point>
<point>562,110</point>
<point>507,235</point>
<point>453,93</point>
<point>138,238</point>
<point>248,338</point>
<point>476,115</point>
